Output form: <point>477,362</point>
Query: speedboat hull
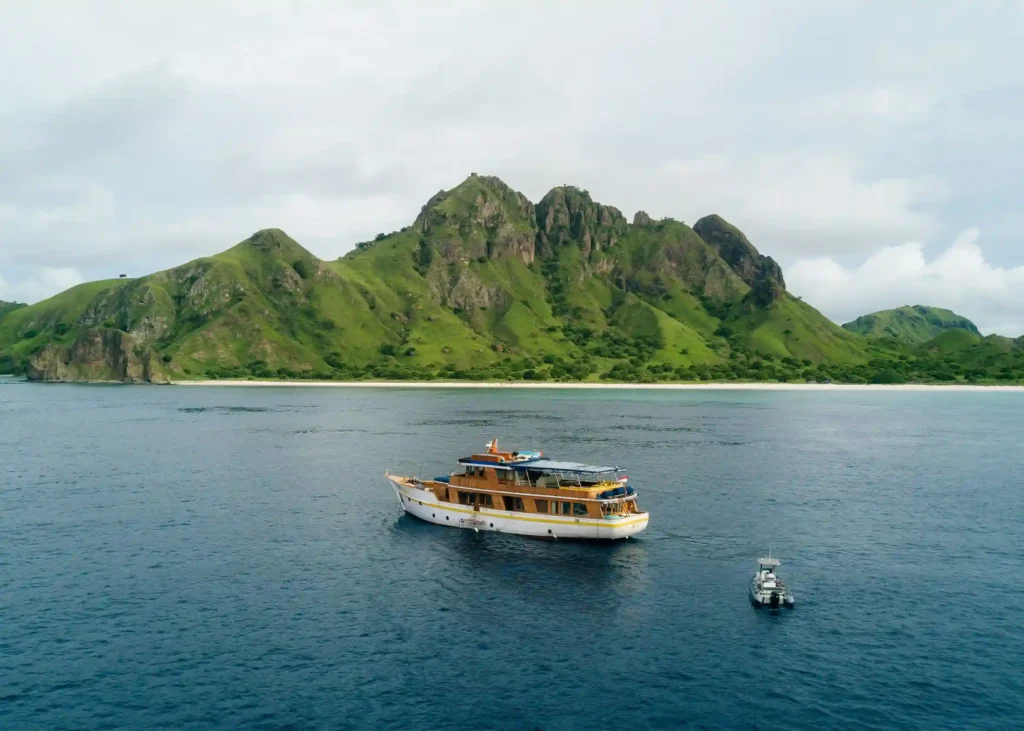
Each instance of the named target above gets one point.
<point>775,598</point>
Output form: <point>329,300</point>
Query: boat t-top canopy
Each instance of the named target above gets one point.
<point>550,465</point>
<point>769,562</point>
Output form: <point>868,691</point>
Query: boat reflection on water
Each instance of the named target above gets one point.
<point>555,574</point>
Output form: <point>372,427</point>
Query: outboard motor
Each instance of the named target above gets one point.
<point>774,600</point>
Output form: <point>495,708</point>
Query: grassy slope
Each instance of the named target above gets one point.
<point>8,307</point>
<point>990,353</point>
<point>27,330</point>
<point>907,324</point>
<point>789,327</point>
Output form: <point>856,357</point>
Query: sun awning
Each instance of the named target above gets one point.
<point>550,465</point>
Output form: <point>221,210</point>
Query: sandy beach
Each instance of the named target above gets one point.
<point>766,386</point>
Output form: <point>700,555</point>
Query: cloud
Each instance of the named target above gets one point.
<point>958,278</point>
<point>804,204</point>
<point>885,103</point>
<point>40,284</point>
<point>820,130</point>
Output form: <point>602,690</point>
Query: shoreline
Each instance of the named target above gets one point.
<point>722,386</point>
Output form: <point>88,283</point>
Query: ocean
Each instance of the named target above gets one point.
<point>197,558</point>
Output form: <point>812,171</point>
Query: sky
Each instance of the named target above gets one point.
<point>873,148</point>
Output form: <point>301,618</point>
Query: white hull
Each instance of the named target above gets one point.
<point>763,597</point>
<point>424,505</point>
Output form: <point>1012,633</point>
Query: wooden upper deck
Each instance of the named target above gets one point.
<point>533,484</point>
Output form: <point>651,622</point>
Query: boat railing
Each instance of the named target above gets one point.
<point>611,500</point>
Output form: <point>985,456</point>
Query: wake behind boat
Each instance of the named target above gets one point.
<point>526,494</point>
<point>767,589</point>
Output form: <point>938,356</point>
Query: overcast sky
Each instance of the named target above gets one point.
<point>874,149</point>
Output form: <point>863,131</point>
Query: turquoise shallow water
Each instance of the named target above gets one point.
<point>229,557</point>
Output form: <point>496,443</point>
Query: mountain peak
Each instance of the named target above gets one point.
<point>273,240</point>
<point>480,217</point>
<point>569,213</point>
<point>762,273</point>
<point>478,198</point>
<point>641,218</point>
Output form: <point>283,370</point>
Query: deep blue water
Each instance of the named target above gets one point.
<point>229,557</point>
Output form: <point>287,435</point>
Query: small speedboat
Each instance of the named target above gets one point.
<point>767,589</point>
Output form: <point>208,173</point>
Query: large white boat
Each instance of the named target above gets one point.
<point>767,589</point>
<point>526,494</point>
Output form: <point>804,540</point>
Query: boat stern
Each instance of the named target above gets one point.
<point>625,526</point>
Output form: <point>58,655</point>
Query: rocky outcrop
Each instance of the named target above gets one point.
<point>761,273</point>
<point>470,294</point>
<point>640,218</point>
<point>482,217</point>
<point>99,354</point>
<point>665,254</point>
<point>570,214</point>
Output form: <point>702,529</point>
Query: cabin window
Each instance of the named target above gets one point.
<point>566,508</point>
<point>579,509</point>
<point>465,498</point>
<point>542,505</point>
<point>485,499</point>
<point>513,503</point>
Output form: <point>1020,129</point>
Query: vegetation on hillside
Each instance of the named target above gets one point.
<point>484,284</point>
<point>911,325</point>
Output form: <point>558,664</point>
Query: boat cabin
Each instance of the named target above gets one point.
<point>766,571</point>
<point>526,482</point>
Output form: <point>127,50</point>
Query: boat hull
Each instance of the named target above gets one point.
<point>761,598</point>
<point>423,504</point>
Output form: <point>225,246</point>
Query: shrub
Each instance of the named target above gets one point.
<point>301,268</point>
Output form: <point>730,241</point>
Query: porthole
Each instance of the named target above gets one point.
<point>492,525</point>
<point>549,531</point>
<point>433,515</point>
<point>446,517</point>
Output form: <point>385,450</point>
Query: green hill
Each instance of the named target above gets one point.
<point>911,325</point>
<point>6,307</point>
<point>483,284</point>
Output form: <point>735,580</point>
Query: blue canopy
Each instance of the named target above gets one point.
<point>550,465</point>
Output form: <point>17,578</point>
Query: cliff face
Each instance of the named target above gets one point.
<point>761,273</point>
<point>98,355</point>
<point>568,214</point>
